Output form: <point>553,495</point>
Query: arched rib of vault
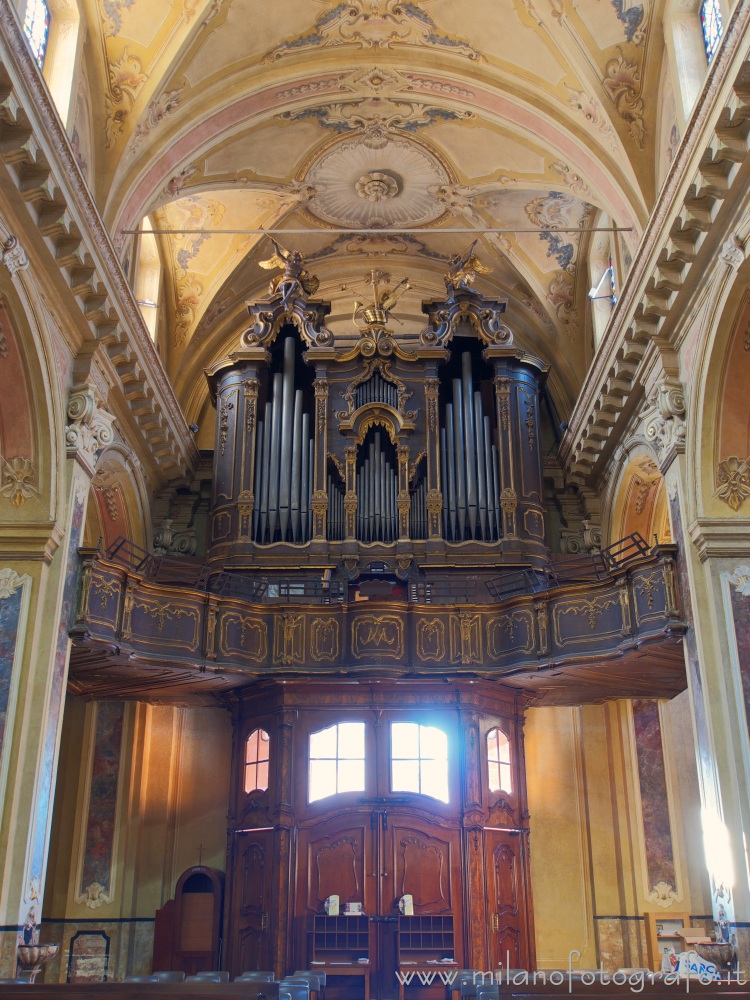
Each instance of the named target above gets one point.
<point>584,60</point>
<point>140,185</point>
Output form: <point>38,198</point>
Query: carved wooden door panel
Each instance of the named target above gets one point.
<point>251,918</point>
<point>507,899</point>
<point>334,858</point>
<point>422,859</point>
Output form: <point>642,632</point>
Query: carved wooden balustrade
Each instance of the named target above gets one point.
<point>617,636</point>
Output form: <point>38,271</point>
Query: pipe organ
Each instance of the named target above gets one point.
<point>332,454</point>
<point>471,507</point>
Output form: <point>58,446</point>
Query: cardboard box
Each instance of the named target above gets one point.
<point>693,935</point>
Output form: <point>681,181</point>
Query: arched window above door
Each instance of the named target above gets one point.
<point>256,761</point>
<point>419,760</point>
<point>498,761</point>
<point>336,760</point>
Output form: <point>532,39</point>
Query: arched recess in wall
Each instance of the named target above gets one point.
<point>667,128</point>
<point>28,460</point>
<point>61,58</point>
<point>116,502</point>
<point>641,503</point>
<point>686,54</point>
<point>726,415</point>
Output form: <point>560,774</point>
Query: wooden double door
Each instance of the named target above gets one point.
<point>375,855</point>
<point>461,854</point>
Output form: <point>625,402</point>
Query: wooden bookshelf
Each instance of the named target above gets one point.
<point>425,939</point>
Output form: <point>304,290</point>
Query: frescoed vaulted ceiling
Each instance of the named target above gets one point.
<point>426,124</point>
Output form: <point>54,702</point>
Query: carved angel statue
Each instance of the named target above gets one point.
<point>462,270</point>
<point>295,279</point>
<point>377,312</point>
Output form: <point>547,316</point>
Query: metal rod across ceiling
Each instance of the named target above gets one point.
<point>366,232</point>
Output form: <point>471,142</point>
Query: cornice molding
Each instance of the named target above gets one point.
<point>679,225</point>
<point>720,537</point>
<point>61,206</point>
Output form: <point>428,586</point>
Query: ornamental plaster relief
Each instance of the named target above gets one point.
<point>374,24</point>
<point>663,420</point>
<point>91,425</point>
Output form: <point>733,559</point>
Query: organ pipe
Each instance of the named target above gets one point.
<point>471,498</point>
<point>287,424</point>
<point>377,491</point>
<point>481,477</point>
<point>458,451</point>
<point>283,482</point>
<point>470,442</point>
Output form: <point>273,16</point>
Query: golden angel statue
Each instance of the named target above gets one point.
<point>295,279</point>
<point>462,270</point>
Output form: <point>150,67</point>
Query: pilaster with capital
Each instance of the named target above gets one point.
<point>663,420</point>
<point>246,498</point>
<point>91,426</point>
<point>320,435</point>
<point>431,391</point>
<point>403,501</point>
<point>351,500</point>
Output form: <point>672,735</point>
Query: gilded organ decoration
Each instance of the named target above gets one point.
<point>295,279</point>
<point>466,638</point>
<point>184,622</point>
<point>573,619</point>
<point>378,636</point>
<point>462,468</point>
<point>324,639</point>
<point>243,635</point>
<point>507,634</point>
<point>463,271</point>
<point>430,639</point>
<point>119,606</point>
<point>289,638</point>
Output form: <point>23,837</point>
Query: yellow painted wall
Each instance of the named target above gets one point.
<point>172,808</point>
<point>588,868</point>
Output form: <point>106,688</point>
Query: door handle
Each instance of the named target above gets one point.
<point>264,921</point>
<point>495,922</point>
<point>384,818</point>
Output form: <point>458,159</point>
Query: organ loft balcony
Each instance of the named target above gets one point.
<point>380,510</point>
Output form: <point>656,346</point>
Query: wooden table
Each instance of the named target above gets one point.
<point>347,969</point>
<point>433,968</point>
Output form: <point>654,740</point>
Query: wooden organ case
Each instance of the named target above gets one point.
<point>377,473</point>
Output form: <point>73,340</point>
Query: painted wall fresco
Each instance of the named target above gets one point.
<point>31,904</point>
<point>11,597</point>
<point>733,447</point>
<point>18,474</point>
<point>657,832</point>
<point>739,596</point>
<point>95,885</point>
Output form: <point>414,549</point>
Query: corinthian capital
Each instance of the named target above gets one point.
<point>90,428</point>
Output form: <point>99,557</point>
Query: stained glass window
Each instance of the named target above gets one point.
<point>711,24</point>
<point>36,27</point>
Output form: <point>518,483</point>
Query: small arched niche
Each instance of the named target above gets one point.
<point>641,503</point>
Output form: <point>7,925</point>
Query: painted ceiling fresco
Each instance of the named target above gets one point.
<point>373,134</point>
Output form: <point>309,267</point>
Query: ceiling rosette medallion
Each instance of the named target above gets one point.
<point>365,188</point>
